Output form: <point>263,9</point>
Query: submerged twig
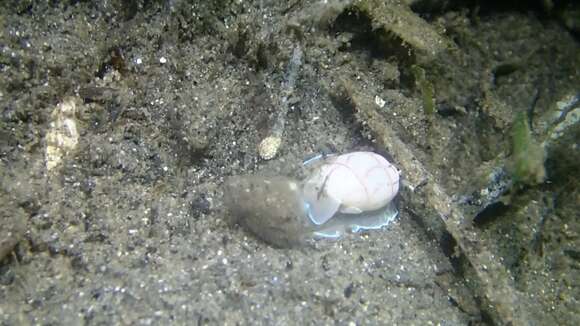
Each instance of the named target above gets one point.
<point>269,146</point>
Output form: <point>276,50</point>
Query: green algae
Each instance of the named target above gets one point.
<point>426,89</point>
<point>527,162</point>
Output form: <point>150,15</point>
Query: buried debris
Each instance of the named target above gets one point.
<point>398,19</point>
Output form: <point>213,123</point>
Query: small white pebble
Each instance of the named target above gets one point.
<point>162,60</point>
<point>380,102</point>
<point>138,61</point>
<point>269,146</point>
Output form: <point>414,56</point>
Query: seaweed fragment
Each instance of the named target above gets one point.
<point>426,89</point>
<point>527,161</point>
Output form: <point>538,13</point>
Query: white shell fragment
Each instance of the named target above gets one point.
<point>351,183</point>
<point>269,146</point>
<point>62,137</point>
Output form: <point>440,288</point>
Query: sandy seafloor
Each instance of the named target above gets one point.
<point>121,220</point>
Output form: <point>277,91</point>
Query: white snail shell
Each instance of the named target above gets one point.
<point>351,183</point>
